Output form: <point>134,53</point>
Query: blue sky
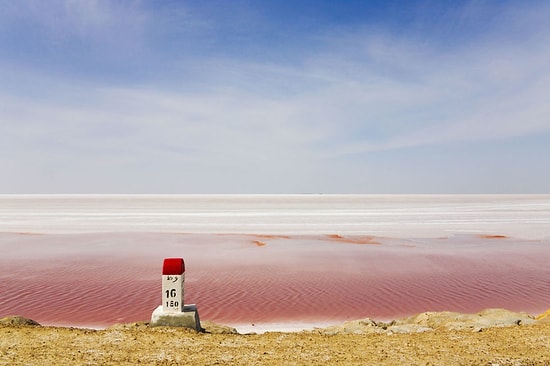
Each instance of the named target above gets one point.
<point>274,96</point>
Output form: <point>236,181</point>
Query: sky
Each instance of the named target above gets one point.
<point>420,96</point>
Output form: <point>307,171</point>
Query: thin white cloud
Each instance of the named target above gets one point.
<point>97,26</point>
<point>361,93</point>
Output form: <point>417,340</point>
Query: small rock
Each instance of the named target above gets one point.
<point>211,327</point>
<point>362,326</point>
<point>488,318</point>
<point>17,321</point>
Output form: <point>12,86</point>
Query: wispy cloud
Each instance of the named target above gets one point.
<point>64,19</point>
<point>216,114</point>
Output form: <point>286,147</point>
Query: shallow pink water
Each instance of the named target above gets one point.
<point>102,279</point>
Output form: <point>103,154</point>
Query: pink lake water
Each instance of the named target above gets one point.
<point>246,279</point>
<point>99,278</point>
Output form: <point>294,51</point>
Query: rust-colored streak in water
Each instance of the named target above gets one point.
<point>106,279</point>
<point>353,239</point>
<point>486,236</point>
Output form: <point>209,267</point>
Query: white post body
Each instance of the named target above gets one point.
<point>173,312</point>
<point>172,292</point>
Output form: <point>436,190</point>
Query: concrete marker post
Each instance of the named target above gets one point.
<point>173,311</point>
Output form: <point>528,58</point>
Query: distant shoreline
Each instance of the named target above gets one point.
<point>419,216</point>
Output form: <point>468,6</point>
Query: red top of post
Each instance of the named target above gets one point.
<point>173,266</point>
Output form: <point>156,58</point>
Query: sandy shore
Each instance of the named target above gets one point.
<point>525,342</point>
